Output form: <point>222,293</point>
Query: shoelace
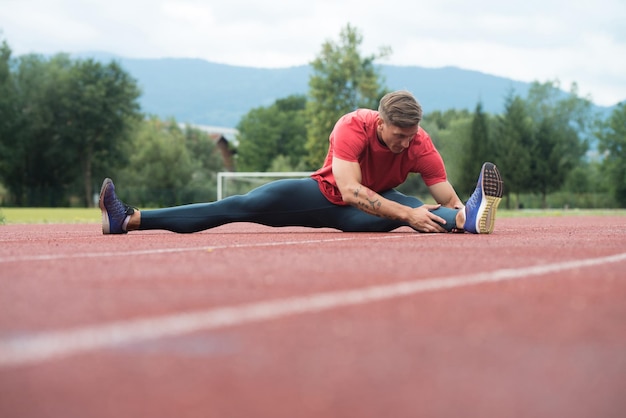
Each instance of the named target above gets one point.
<point>118,208</point>
<point>473,200</point>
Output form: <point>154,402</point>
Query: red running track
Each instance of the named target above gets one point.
<point>251,321</point>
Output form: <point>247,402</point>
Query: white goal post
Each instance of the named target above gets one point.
<point>222,175</point>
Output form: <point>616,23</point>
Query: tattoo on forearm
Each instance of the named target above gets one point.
<point>375,203</point>
<point>369,209</point>
<point>370,203</point>
<point>372,199</point>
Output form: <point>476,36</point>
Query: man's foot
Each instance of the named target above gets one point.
<point>480,209</point>
<point>114,211</point>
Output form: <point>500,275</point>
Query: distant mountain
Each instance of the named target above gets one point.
<point>205,93</point>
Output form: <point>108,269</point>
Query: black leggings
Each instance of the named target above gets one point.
<point>290,202</point>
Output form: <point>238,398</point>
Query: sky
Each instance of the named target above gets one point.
<point>569,41</point>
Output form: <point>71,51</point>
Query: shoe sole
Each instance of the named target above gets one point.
<point>106,228</point>
<point>492,195</point>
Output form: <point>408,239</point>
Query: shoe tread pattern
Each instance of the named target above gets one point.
<point>492,186</point>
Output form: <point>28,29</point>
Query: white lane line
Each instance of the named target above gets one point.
<point>63,343</point>
<point>102,254</point>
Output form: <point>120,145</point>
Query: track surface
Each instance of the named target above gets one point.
<point>251,321</point>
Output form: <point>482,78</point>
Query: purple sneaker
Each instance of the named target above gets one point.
<point>480,209</point>
<point>114,211</point>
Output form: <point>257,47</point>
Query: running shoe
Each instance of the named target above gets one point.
<point>480,209</point>
<point>114,211</point>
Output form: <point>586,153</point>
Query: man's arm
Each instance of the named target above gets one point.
<point>445,195</point>
<point>348,177</point>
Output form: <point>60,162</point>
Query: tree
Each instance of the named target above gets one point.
<point>267,133</point>
<point>553,157</point>
<point>207,161</point>
<point>438,120</point>
<point>560,125</point>
<point>100,106</point>
<point>68,118</point>
<point>478,150</point>
<point>160,165</point>
<point>450,132</point>
<point>8,112</point>
<point>35,166</point>
<point>612,143</point>
<point>342,81</point>
<point>514,139</point>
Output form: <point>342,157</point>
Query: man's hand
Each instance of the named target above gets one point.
<point>423,220</point>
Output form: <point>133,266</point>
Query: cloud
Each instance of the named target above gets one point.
<point>577,41</point>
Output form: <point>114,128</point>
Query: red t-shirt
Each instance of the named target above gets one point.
<point>354,139</point>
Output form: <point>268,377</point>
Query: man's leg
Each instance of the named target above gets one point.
<point>291,202</point>
<point>280,203</point>
<point>352,219</point>
<point>448,214</point>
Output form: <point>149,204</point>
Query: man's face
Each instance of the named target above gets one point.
<point>395,138</point>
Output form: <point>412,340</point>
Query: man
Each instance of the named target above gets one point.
<point>370,153</point>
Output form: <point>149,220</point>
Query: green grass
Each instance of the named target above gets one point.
<point>92,215</point>
<point>559,212</point>
<point>49,215</point>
